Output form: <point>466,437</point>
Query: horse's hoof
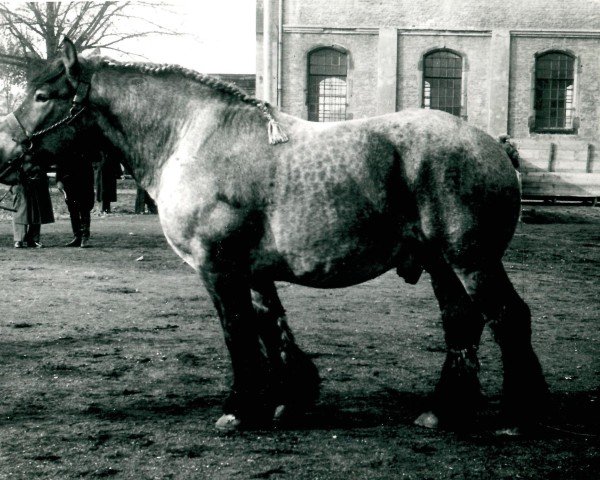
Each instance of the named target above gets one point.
<point>285,416</point>
<point>228,423</point>
<point>280,412</point>
<point>508,432</point>
<point>427,420</point>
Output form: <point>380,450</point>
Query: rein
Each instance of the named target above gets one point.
<point>77,108</point>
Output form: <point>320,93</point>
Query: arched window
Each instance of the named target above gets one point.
<point>554,85</point>
<point>327,87</point>
<point>442,81</point>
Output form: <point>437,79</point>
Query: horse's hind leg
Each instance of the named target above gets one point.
<point>457,395</point>
<point>524,389</point>
<point>295,377</point>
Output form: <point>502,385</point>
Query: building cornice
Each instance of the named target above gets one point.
<point>369,30</point>
<point>440,32</point>
<point>314,29</point>
<point>556,33</point>
<point>319,30</point>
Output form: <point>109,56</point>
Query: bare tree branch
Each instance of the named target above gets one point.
<point>30,33</point>
<point>25,42</point>
<point>76,24</point>
<point>14,19</point>
<point>97,18</point>
<point>17,61</point>
<point>127,37</point>
<point>41,21</point>
<point>38,27</point>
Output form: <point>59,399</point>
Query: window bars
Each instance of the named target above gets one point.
<point>554,82</point>
<point>327,87</point>
<point>442,82</point>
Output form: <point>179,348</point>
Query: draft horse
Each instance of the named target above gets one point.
<point>249,196</point>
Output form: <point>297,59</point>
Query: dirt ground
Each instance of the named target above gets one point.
<point>112,364</point>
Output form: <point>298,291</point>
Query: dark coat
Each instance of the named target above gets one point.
<point>107,173</point>
<point>76,172</point>
<point>32,202</point>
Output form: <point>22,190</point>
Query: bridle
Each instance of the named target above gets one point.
<point>78,106</point>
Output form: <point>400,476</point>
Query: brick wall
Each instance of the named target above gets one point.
<point>362,72</point>
<point>523,52</point>
<point>446,14</point>
<point>475,51</point>
<point>570,151</point>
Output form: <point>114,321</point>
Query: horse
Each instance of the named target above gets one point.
<point>248,196</point>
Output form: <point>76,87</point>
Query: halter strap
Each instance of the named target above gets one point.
<point>78,104</point>
<point>81,93</point>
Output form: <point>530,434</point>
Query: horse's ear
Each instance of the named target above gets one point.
<point>69,58</point>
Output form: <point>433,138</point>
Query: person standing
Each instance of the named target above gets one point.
<point>108,172</point>
<point>511,150</point>
<point>143,200</point>
<point>75,179</point>
<point>33,208</point>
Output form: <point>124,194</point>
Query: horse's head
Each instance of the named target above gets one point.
<point>48,119</point>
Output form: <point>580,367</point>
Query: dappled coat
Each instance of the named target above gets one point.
<point>32,201</point>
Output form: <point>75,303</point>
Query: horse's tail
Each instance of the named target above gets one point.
<point>468,200</point>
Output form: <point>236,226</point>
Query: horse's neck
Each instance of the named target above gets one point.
<point>148,118</point>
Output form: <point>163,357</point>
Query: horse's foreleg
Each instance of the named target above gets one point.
<point>295,376</point>
<point>248,401</point>
<point>525,389</point>
<point>457,394</point>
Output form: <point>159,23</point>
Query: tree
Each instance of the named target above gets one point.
<point>38,27</point>
<point>31,32</point>
<point>12,78</point>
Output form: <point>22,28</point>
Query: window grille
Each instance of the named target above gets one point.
<point>442,82</point>
<point>327,86</point>
<point>554,81</point>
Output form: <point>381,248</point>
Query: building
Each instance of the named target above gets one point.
<point>246,82</point>
<point>529,69</point>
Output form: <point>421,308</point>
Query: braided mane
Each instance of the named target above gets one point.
<point>276,135</point>
<point>208,80</point>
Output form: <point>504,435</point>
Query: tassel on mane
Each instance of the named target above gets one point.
<point>276,133</point>
<point>274,130</point>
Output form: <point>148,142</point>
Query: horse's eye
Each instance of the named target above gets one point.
<point>41,97</point>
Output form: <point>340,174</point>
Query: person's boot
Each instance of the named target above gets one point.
<point>76,242</point>
<point>85,230</point>
<point>75,226</point>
